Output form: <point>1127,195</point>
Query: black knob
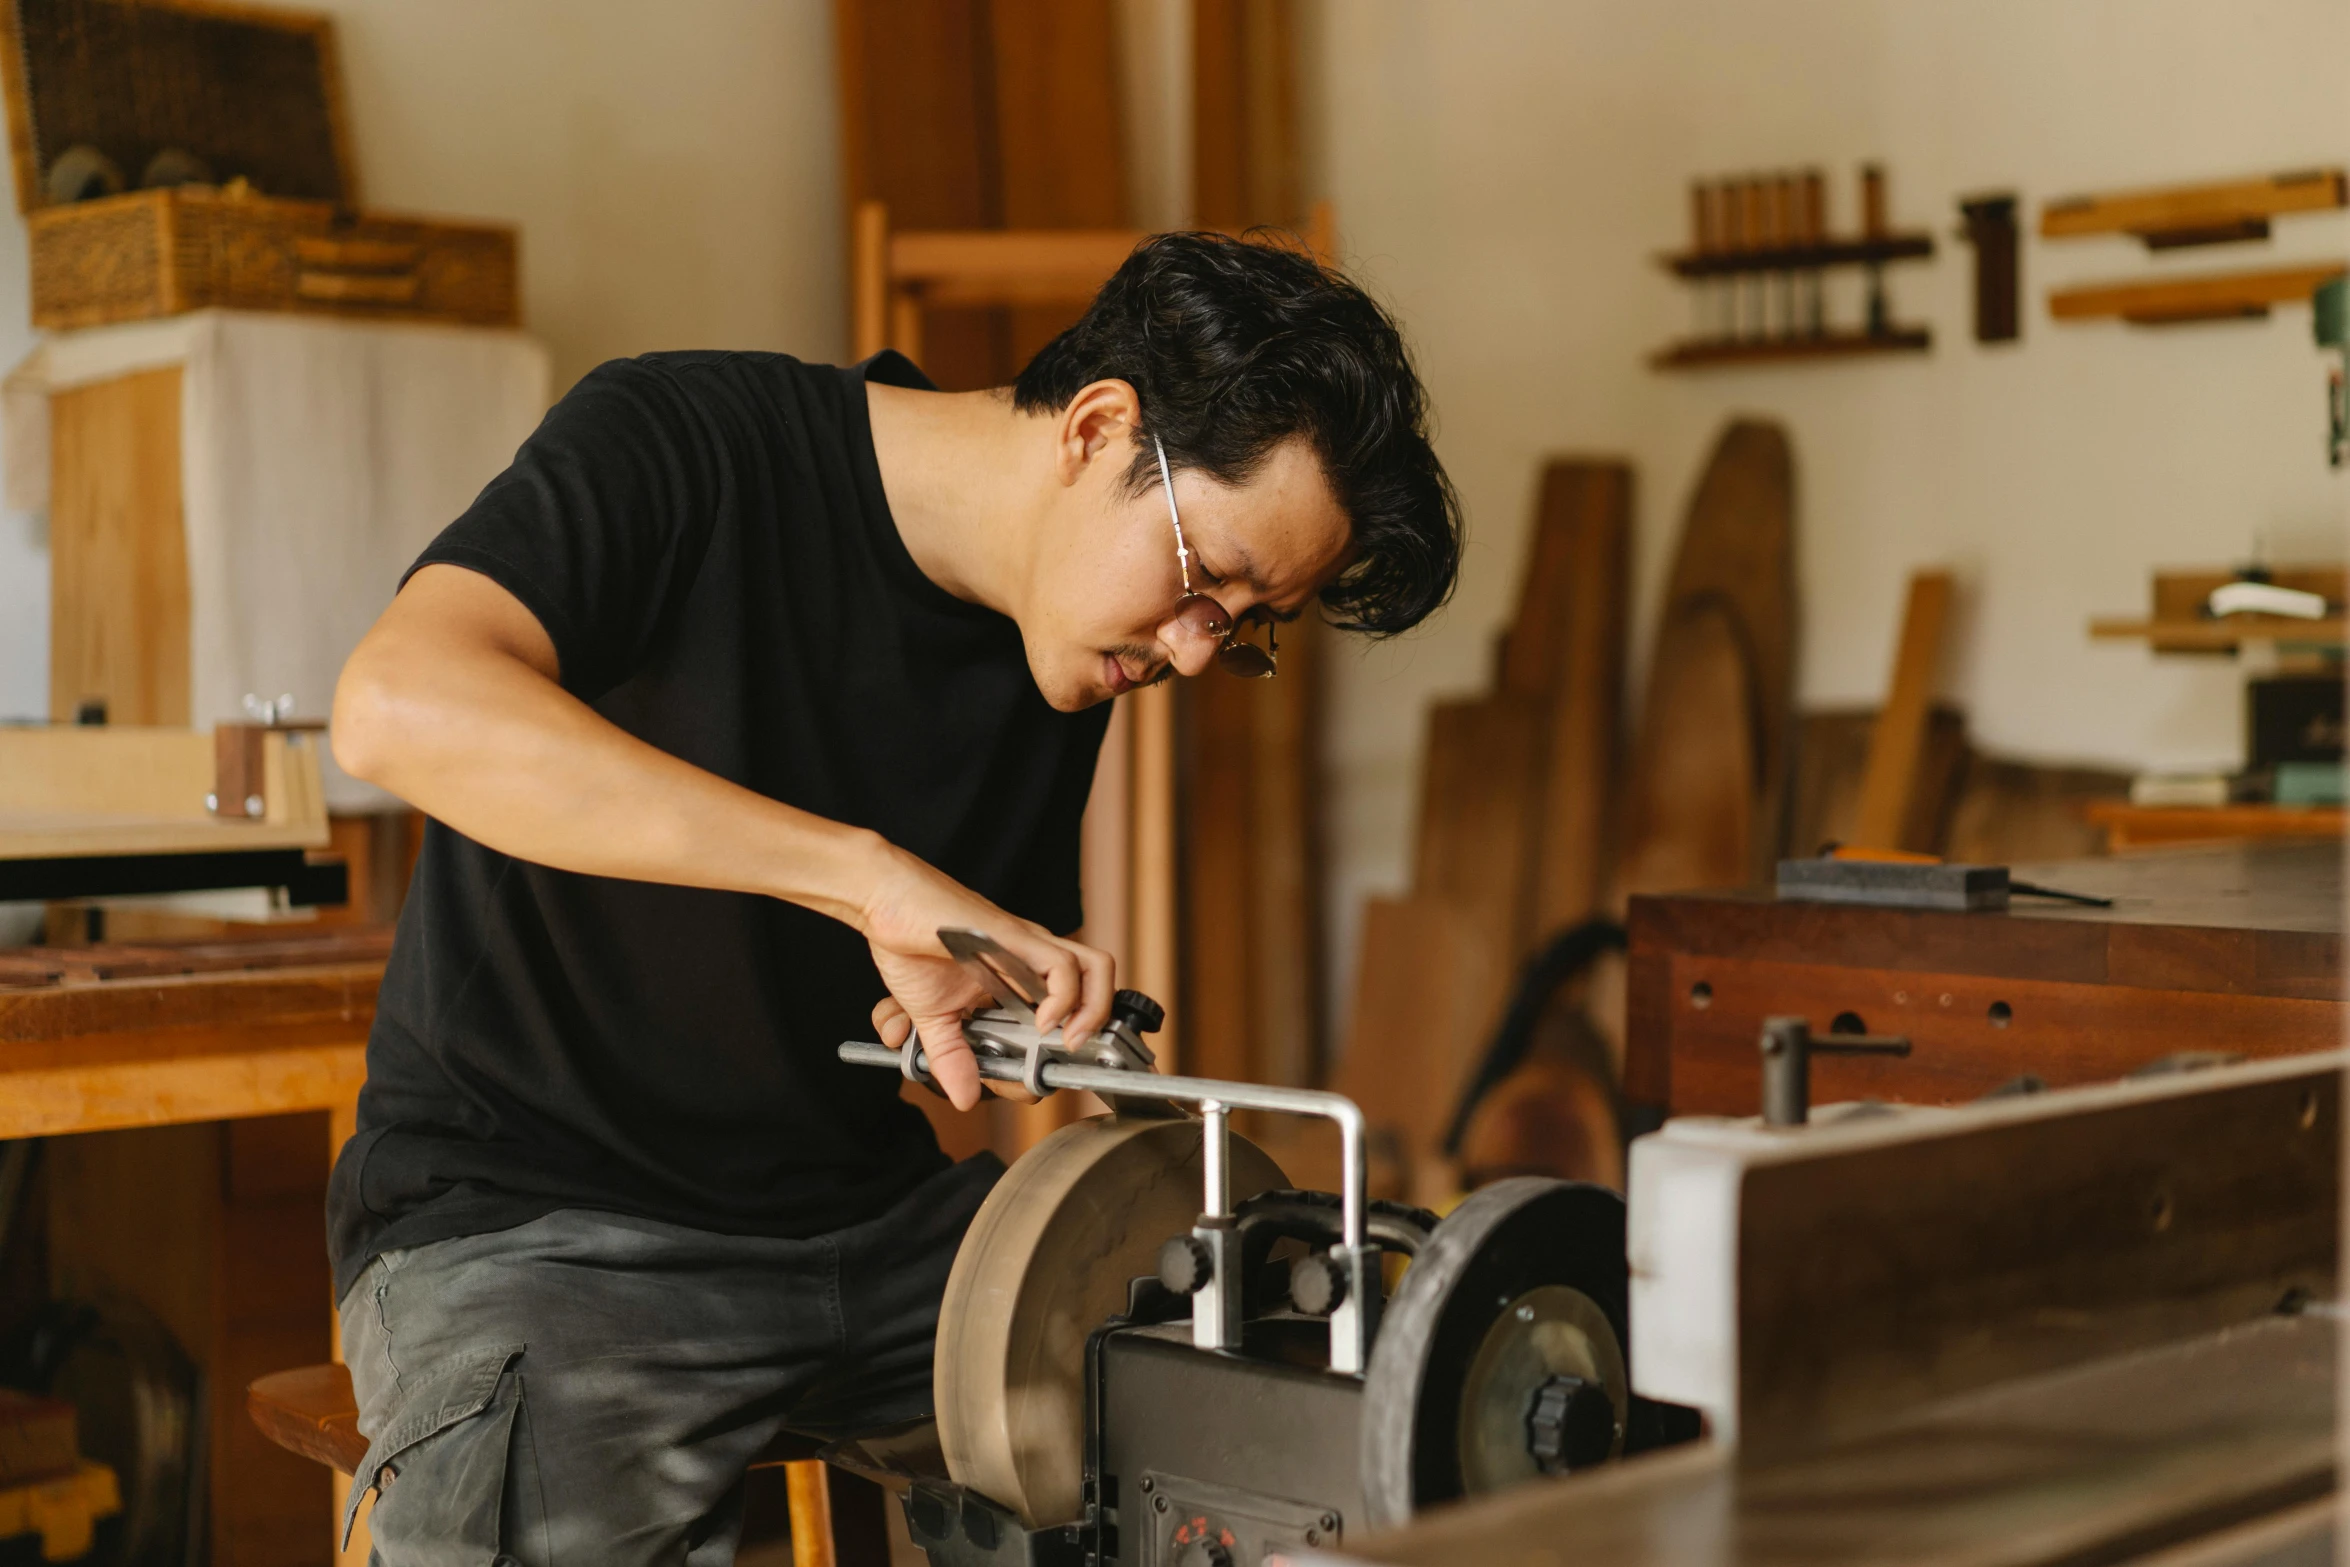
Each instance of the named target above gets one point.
<point>1204,1553</point>
<point>1137,1011</point>
<point>1317,1284</point>
<point>1186,1264</point>
<point>1570,1424</point>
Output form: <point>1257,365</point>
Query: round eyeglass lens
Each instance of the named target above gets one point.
<point>1203,616</point>
<point>1245,659</point>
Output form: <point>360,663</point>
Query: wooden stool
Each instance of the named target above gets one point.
<point>836,1517</point>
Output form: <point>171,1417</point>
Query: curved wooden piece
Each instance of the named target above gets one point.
<point>1045,1263</point>
<point>1730,601</point>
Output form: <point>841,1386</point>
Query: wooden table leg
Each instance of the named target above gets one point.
<point>811,1513</point>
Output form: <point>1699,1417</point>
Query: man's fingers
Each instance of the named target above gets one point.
<point>1080,982</point>
<point>1064,985</point>
<point>890,1021</point>
<point>951,1061</point>
<point>1099,977</point>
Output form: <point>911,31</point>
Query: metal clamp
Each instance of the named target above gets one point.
<point>1788,1045</point>
<point>1008,1029</point>
<point>1108,1070</point>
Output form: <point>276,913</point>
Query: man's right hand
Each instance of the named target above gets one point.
<point>930,993</point>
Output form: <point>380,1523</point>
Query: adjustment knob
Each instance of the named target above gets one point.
<point>1204,1553</point>
<point>1317,1284</point>
<point>1186,1264</point>
<point>1570,1425</point>
<point>1137,1011</point>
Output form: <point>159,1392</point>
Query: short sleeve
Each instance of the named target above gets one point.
<point>600,524</point>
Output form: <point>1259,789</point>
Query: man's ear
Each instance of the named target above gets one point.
<point>1099,421</point>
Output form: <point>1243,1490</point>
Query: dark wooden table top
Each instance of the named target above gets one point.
<point>2257,918</point>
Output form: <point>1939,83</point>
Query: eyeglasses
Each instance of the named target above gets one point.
<point>1203,616</point>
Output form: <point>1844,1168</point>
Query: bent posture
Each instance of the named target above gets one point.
<point>743,680</point>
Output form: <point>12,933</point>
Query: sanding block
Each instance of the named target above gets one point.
<point>1894,884</point>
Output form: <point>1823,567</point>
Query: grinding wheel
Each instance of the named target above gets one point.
<point>1046,1262</point>
<point>1515,1312</point>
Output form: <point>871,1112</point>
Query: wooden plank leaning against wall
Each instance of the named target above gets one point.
<point>1251,974</point>
<point>117,551</point>
<point>965,115</point>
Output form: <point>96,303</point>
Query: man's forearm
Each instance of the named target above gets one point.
<point>479,738</point>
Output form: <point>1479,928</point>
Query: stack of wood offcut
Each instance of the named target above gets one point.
<point>1516,805</point>
<point>1535,820</point>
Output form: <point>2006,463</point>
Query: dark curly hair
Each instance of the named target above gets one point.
<point>1236,346</point>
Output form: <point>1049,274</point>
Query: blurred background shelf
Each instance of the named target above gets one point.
<point>2130,826</point>
<point>1828,345</point>
<point>2177,623</point>
<point>2216,297</point>
<point>1865,251</point>
<point>2177,215</point>
<point>2221,636</point>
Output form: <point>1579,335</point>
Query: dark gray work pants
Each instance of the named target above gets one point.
<point>589,1389</point>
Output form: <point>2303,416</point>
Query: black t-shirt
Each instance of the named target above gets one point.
<point>705,538</point>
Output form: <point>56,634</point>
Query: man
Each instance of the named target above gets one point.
<point>745,679</point>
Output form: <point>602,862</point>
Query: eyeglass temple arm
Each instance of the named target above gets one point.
<point>1167,483</point>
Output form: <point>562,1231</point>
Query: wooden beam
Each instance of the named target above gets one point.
<point>118,585</point>
<point>1897,741</point>
<point>1079,259</point>
<point>1479,790</point>
<point>1567,646</point>
<point>869,280</point>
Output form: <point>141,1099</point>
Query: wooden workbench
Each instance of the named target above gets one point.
<point>205,1087</point>
<point>2233,947</point>
<point>2226,1440</point>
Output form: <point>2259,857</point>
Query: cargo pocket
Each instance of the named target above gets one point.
<point>439,1469</point>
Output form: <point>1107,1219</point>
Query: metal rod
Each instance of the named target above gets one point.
<point>1788,1045</point>
<point>1111,1083</point>
<point>1216,1147</point>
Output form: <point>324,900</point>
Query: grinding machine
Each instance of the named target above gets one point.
<point>1154,1352</point>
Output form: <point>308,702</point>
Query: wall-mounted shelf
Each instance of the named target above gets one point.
<point>2178,624</point>
<point>1705,352</point>
<point>2197,214</point>
<point>2222,636</point>
<point>1758,246</point>
<point>1863,251</point>
<point>2217,297</point>
<point>2130,826</point>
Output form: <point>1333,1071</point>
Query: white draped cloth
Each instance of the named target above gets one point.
<point>319,456</point>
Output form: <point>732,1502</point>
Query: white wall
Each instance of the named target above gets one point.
<point>1505,170</point>
<point>674,169</point>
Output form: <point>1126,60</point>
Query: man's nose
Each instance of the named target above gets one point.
<point>1191,653</point>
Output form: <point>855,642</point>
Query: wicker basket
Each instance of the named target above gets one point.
<point>159,252</point>
<point>256,95</point>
